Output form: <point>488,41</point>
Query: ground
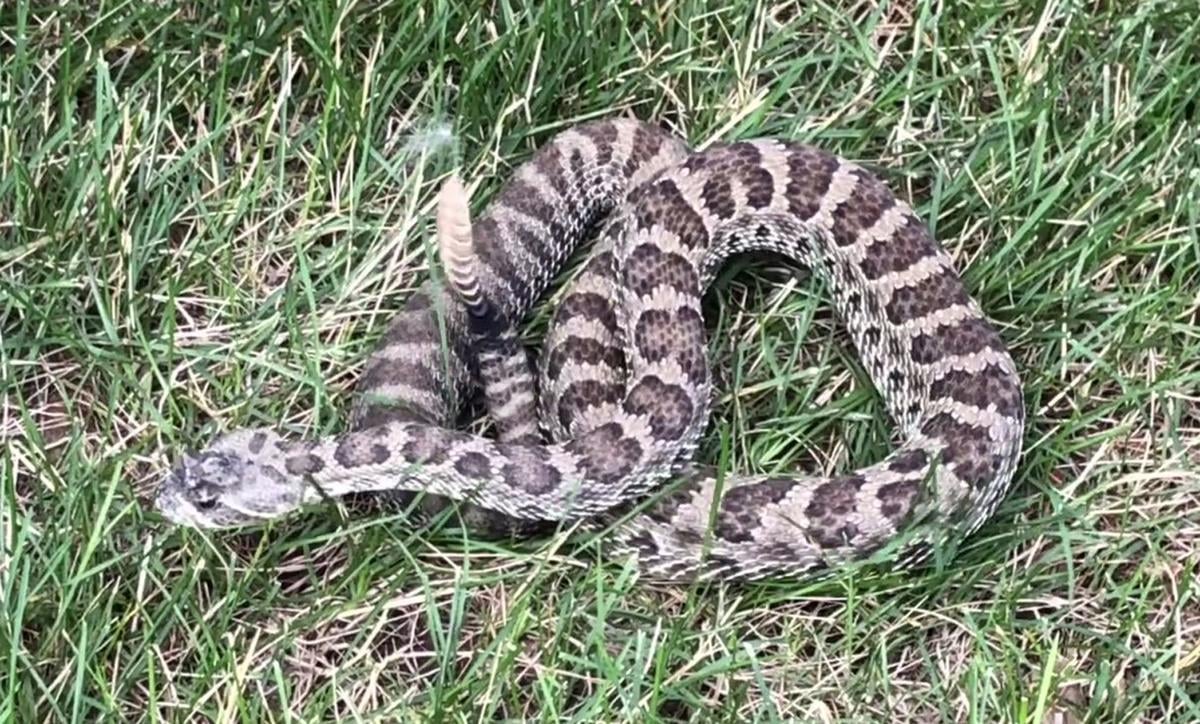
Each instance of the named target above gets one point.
<point>208,211</point>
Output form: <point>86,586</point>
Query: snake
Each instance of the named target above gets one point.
<point>602,426</point>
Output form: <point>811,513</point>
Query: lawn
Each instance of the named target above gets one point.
<point>208,211</point>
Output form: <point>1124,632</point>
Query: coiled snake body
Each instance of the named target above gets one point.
<point>624,384</point>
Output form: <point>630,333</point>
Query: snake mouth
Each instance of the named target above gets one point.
<point>179,504</point>
<point>175,507</point>
<point>181,510</point>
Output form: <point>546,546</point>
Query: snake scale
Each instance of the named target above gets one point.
<point>620,395</point>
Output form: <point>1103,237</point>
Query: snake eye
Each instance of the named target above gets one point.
<point>206,503</point>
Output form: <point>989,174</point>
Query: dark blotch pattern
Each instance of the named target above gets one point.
<point>829,511</point>
<point>257,441</point>
<point>494,254</point>
<point>746,154</point>
<point>942,289</point>
<point>678,335</point>
<point>577,163</point>
<point>718,197</point>
<point>692,360</point>
<point>989,387</point>
<point>530,201</point>
<point>588,350</point>
<point>809,174</point>
<point>600,262</point>
<point>669,407</point>
<point>896,500</point>
<point>646,144</point>
<point>661,205</point>
<point>908,461</point>
<point>591,306</point>
<point>381,372</point>
<point>968,450</point>
<point>304,464</point>
<point>908,245</point>
<point>473,465</point>
<point>362,448</point>
<point>865,206</point>
<point>760,187</point>
<point>725,160</point>
<point>426,446</point>
<point>530,237</point>
<point>549,163</point>
<point>649,267</point>
<point>664,508</point>
<point>969,336</point>
<point>581,396</point>
<point>530,470</point>
<point>604,135</point>
<point>853,303</point>
<point>654,334</point>
<point>741,507</point>
<point>608,456</point>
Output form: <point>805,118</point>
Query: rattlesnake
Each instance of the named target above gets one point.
<point>624,376</point>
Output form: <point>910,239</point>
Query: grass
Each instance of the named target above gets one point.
<point>208,211</point>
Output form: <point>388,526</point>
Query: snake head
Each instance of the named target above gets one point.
<point>238,480</point>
